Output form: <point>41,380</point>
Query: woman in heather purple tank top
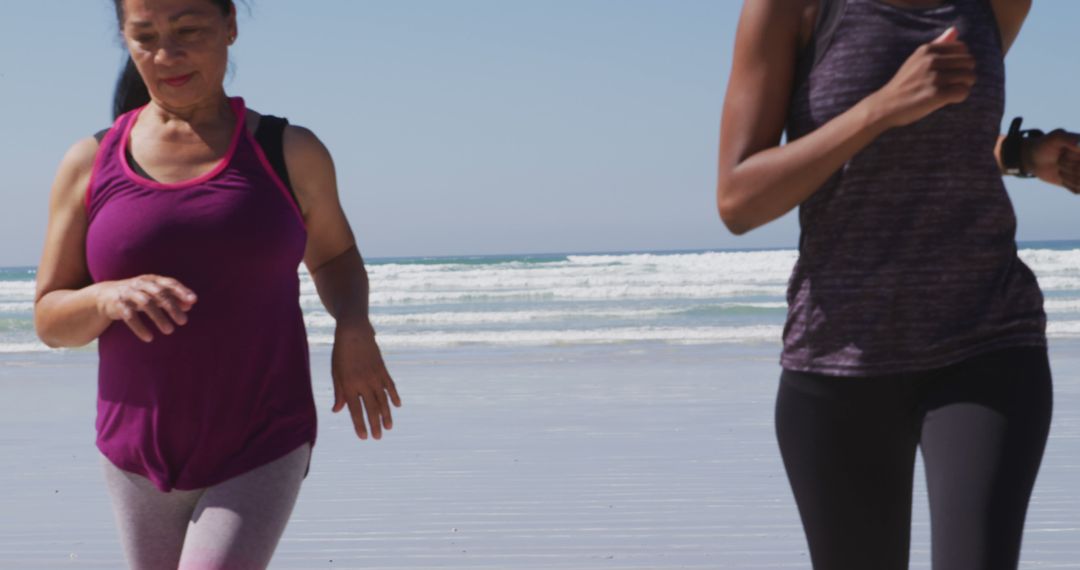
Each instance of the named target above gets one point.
<point>174,240</point>
<point>912,323</point>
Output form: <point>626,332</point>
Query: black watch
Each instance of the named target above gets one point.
<point>1012,148</point>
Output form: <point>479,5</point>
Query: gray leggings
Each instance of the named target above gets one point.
<point>233,525</point>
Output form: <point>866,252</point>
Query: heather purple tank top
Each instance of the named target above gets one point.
<point>231,390</point>
<point>907,258</point>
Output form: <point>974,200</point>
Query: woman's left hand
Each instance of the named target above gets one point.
<point>361,380</point>
<point>1055,158</point>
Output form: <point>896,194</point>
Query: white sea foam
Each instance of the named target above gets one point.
<point>691,268</point>
<point>16,307</point>
<point>618,293</point>
<point>1063,329</point>
<point>582,299</point>
<point>16,347</point>
<point>14,291</point>
<point>1062,305</point>
<point>1045,261</point>
<point>468,318</point>
<point>695,335</point>
<point>582,293</point>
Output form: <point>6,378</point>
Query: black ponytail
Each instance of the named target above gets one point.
<point>131,92</point>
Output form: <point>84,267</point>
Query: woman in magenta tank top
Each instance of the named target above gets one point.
<point>912,323</point>
<point>174,239</point>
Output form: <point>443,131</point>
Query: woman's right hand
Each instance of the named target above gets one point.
<point>937,74</point>
<point>163,299</point>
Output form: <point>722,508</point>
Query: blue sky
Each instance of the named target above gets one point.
<point>479,126</point>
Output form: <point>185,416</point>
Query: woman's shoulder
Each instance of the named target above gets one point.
<point>298,134</point>
<point>74,173</point>
<point>79,158</point>
<point>303,146</point>
<point>795,20</point>
<point>296,140</point>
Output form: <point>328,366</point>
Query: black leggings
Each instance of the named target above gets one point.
<point>848,446</point>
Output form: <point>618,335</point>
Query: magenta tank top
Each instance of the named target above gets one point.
<point>231,390</point>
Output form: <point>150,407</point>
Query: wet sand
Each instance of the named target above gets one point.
<point>626,457</point>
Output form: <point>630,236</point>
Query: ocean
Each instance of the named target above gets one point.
<point>578,412</point>
<point>689,297</point>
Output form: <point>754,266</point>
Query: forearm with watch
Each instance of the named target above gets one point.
<point>1014,150</point>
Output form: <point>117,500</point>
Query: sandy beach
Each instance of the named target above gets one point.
<point>643,456</point>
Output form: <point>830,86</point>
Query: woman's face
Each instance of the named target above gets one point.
<point>180,47</point>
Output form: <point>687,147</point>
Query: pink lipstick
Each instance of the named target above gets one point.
<point>179,80</point>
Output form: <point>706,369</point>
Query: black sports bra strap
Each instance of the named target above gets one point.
<point>270,136</point>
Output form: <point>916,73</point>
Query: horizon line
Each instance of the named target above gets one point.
<point>1025,244</point>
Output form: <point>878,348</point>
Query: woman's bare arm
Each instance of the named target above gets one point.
<point>65,308</point>
<point>1010,17</point>
<point>1053,158</point>
<point>361,381</point>
<point>759,180</point>
<point>69,309</point>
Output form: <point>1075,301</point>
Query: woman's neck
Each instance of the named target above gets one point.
<point>212,111</point>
